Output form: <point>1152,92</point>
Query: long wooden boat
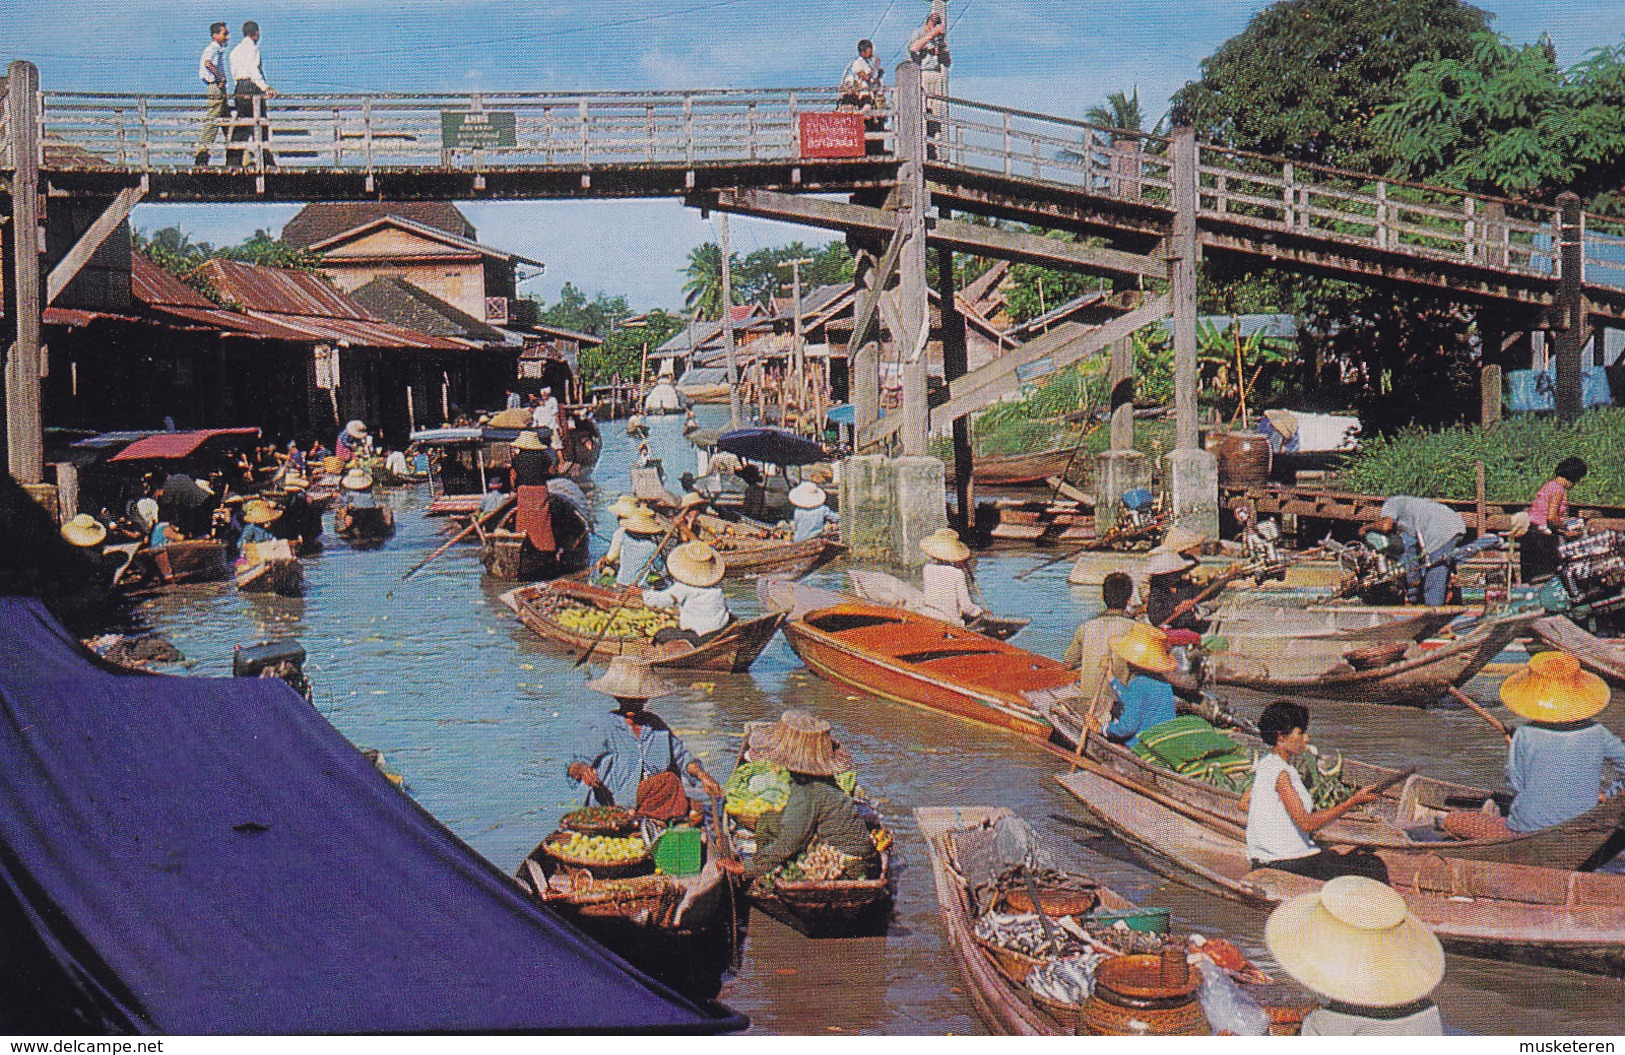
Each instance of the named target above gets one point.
<point>194,560</point>
<point>1583,843</point>
<point>270,567</point>
<point>909,658</point>
<point>1417,679</point>
<point>1294,636</point>
<point>362,524</point>
<point>1355,624</point>
<point>1091,567</point>
<point>1602,657</point>
<point>1018,470</point>
<point>827,908</point>
<point>1487,909</point>
<point>538,606</point>
<point>749,550</point>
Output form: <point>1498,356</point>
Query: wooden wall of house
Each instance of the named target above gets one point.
<point>458,283</point>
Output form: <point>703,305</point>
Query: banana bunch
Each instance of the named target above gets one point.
<point>628,622</point>
<point>602,849</point>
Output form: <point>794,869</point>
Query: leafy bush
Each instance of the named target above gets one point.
<point>1519,455</point>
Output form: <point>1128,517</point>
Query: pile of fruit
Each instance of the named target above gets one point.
<point>598,819</point>
<point>600,849</point>
<point>756,788</point>
<point>628,622</point>
<point>819,863</point>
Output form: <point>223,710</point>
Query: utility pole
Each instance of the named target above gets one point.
<point>728,322</point>
<point>797,347</point>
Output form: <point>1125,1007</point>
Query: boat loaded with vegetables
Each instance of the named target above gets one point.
<point>1046,951</point>
<point>822,891</point>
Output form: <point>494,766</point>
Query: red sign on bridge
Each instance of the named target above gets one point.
<point>834,135</point>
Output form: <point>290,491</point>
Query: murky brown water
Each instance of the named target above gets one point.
<point>480,716</point>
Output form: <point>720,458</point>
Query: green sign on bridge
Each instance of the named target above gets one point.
<point>481,130</point>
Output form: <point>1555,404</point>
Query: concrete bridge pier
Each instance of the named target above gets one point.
<point>1117,472</point>
<point>889,505</point>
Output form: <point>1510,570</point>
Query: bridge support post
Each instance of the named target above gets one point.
<point>1571,339</point>
<point>25,302</point>
<point>889,505</point>
<point>1193,473</point>
<point>1122,398</point>
<point>1116,472</point>
<point>955,362</point>
<point>912,305</point>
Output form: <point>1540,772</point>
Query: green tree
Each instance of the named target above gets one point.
<point>262,249</point>
<point>1306,77</point>
<point>1122,111</point>
<point>1507,120</point>
<point>702,292</point>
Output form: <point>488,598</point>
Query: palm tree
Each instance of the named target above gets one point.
<point>702,293</point>
<point>1122,111</point>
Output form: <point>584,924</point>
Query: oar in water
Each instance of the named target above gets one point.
<point>472,524</point>
<point>1472,705</point>
<point>670,532</point>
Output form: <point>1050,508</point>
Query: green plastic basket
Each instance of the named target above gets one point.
<point>1144,920</point>
<point>678,851</point>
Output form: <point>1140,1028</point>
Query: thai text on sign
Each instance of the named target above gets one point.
<point>482,130</point>
<point>831,135</point>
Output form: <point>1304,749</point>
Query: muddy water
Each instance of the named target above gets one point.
<point>480,716</point>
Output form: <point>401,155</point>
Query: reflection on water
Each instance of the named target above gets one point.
<point>480,716</point>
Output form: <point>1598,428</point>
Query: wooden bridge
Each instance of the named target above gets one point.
<point>1134,205</point>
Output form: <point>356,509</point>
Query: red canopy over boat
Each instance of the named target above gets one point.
<point>175,444</point>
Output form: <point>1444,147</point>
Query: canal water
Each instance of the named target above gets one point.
<point>479,717</point>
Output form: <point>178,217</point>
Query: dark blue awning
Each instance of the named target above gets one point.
<point>771,445</point>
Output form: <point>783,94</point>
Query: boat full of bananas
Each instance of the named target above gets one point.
<point>631,621</point>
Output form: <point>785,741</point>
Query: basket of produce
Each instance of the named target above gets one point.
<point>1012,964</point>
<point>599,820</point>
<point>1143,981</point>
<point>1019,943</point>
<point>1370,657</point>
<point>755,788</point>
<point>603,856</point>
<point>629,622</point>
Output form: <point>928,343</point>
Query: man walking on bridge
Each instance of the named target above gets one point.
<point>212,71</point>
<point>249,73</point>
<point>929,48</point>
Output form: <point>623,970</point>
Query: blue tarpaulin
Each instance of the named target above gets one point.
<point>1537,389</point>
<point>209,856</point>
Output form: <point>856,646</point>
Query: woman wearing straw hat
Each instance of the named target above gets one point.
<point>533,462</point>
<point>636,540</point>
<point>812,513</point>
<point>1555,762</point>
<point>1280,812</point>
<point>630,746</point>
<point>358,489</point>
<point>257,514</point>
<point>1170,595</point>
<point>945,579</point>
<point>352,441</point>
<point>1146,699</point>
<point>1355,942</point>
<point>817,810</point>
<point>702,610</point>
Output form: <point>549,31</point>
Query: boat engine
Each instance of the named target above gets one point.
<point>1374,565</point>
<point>1261,541</point>
<point>283,659</point>
<point>1592,567</point>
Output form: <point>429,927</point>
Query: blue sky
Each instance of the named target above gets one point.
<point>1037,54</point>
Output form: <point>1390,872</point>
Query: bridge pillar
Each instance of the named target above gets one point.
<point>889,505</point>
<point>1571,338</point>
<point>955,363</point>
<point>25,300</point>
<point>1185,250</point>
<point>911,306</point>
<point>1122,398</point>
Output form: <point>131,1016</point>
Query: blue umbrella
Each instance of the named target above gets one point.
<point>774,446</point>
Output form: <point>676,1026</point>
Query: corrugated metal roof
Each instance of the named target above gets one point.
<point>76,317</point>
<point>367,333</point>
<point>151,284</point>
<point>252,287</point>
<point>233,322</point>
<point>422,230</point>
<point>175,444</point>
<point>393,299</point>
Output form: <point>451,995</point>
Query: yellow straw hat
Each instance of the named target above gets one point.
<point>528,441</point>
<point>625,506</point>
<point>692,499</point>
<point>357,480</point>
<point>630,679</point>
<point>642,522</point>
<point>807,495</point>
<point>943,544</point>
<point>1283,421</point>
<point>84,531</point>
<point>1145,647</point>
<point>696,564</point>
<point>260,512</point>
<point>1354,941</point>
<point>1553,688</point>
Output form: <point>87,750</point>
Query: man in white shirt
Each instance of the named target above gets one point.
<point>211,70</point>
<point>249,73</point>
<point>861,82</point>
<point>546,416</point>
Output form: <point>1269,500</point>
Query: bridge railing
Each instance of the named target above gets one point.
<point>396,131</point>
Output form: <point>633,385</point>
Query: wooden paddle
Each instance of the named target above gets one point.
<point>1392,780</point>
<point>627,596</point>
<point>472,524</point>
<point>1472,705</point>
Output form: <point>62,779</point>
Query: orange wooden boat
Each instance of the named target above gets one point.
<point>899,655</point>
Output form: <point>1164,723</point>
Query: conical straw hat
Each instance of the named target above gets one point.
<point>943,544</point>
<point>1553,688</point>
<point>84,531</point>
<point>630,679</point>
<point>802,744</point>
<point>528,441</point>
<point>696,564</point>
<point>625,506</point>
<point>1283,421</point>
<point>357,480</point>
<point>357,429</point>
<point>694,498</point>
<point>807,495</point>
<point>260,512</point>
<point>1145,647</point>
<point>642,522</point>
<point>1166,562</point>
<point>1355,941</point>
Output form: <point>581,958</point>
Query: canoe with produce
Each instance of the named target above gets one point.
<point>1028,979</point>
<point>1210,791</point>
<point>269,567</point>
<point>674,928</point>
<point>751,550</point>
<point>574,615</point>
<point>1488,909</point>
<point>809,893</point>
<point>909,658</point>
<point>360,525</point>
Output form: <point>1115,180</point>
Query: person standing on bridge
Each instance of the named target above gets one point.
<point>211,70</point>
<point>929,48</point>
<point>249,73</point>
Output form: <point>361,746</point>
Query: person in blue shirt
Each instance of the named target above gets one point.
<point>1556,761</point>
<point>257,514</point>
<point>812,513</point>
<point>1146,698</point>
<point>635,543</point>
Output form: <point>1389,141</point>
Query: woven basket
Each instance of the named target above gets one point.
<point>1070,1016</point>
<point>1370,657</point>
<point>1013,965</point>
<point>597,869</point>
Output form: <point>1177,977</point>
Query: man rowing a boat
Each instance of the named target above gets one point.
<point>631,756</point>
